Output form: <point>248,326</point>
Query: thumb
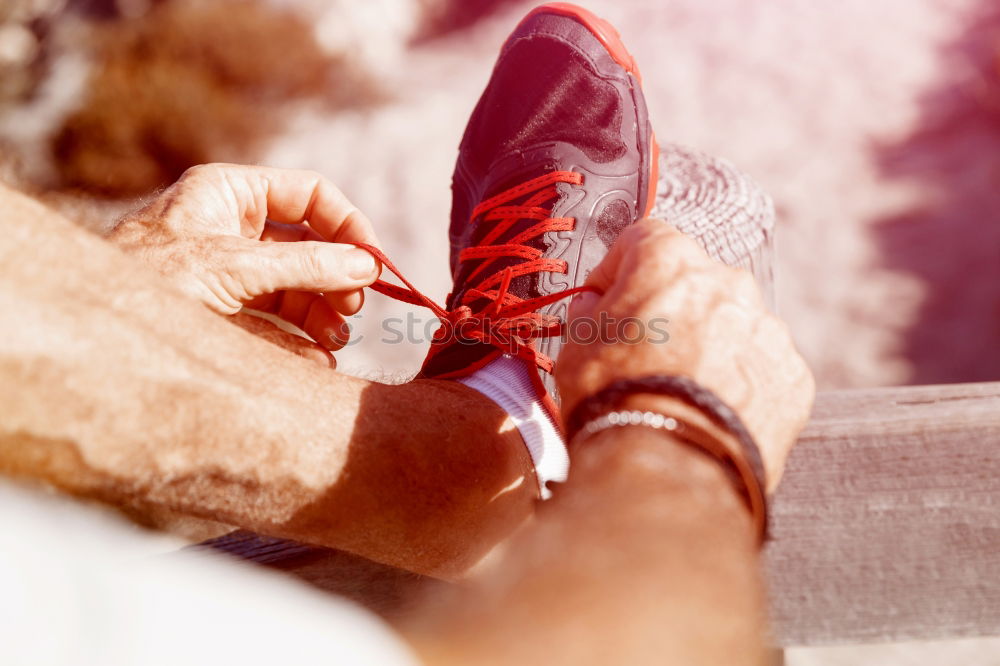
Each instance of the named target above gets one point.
<point>622,258</point>
<point>582,305</point>
<point>312,266</point>
<point>604,274</point>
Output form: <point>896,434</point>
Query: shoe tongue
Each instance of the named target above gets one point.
<point>516,177</point>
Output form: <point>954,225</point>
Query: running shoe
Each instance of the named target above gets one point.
<point>557,159</point>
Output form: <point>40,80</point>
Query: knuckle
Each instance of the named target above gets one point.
<point>638,233</point>
<point>317,182</point>
<point>783,329</point>
<point>802,371</point>
<point>777,331</point>
<point>742,280</point>
<point>313,175</point>
<point>334,194</point>
<point>669,244</point>
<point>794,365</point>
<point>200,171</point>
<point>321,182</point>
<point>687,247</point>
<point>315,263</point>
<point>745,286</point>
<point>212,172</point>
<point>654,241</point>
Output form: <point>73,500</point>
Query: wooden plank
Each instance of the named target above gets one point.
<point>887,525</point>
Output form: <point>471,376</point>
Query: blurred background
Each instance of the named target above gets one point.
<point>874,126</point>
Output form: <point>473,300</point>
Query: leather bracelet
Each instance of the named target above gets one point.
<point>744,466</point>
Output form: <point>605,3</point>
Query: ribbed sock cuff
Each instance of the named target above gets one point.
<point>506,382</point>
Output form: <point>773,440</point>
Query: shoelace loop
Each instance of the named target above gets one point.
<point>506,321</point>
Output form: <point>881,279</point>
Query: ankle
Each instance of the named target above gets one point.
<point>507,381</point>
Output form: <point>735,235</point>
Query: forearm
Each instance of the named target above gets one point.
<point>407,487</point>
<point>647,555</point>
<point>115,387</point>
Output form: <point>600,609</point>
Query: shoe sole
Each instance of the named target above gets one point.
<point>608,36</point>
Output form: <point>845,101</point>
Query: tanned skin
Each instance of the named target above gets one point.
<point>119,384</point>
<point>647,555</point>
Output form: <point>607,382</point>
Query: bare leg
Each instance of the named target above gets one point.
<point>113,386</point>
<point>646,556</point>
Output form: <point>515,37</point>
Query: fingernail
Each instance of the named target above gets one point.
<point>582,303</point>
<point>338,335</point>
<point>360,264</point>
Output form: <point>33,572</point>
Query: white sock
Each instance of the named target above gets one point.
<point>506,382</point>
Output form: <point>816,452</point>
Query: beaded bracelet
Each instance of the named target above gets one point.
<point>601,411</point>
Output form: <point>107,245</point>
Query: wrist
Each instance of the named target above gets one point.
<point>693,414</point>
<point>658,462</point>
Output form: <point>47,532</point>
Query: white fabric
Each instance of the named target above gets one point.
<point>79,586</point>
<point>506,382</point>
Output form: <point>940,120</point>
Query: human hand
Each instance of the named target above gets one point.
<point>204,233</point>
<point>720,335</point>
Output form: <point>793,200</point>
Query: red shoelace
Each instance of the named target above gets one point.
<point>506,321</point>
